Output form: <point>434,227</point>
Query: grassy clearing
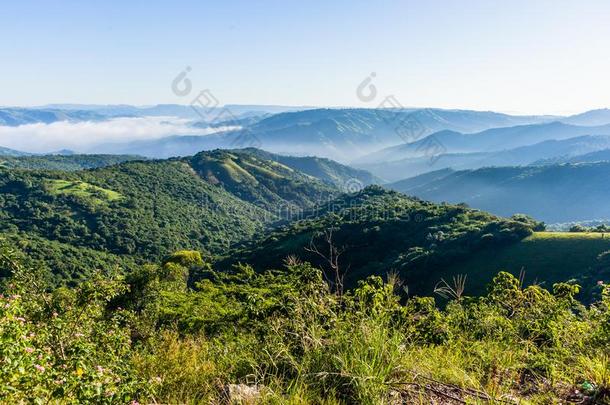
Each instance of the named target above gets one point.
<point>546,258</point>
<point>569,235</point>
<point>237,173</point>
<point>82,190</point>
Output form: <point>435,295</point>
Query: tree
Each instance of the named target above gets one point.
<point>331,259</point>
<point>578,228</point>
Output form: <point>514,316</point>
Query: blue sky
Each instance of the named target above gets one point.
<point>520,56</point>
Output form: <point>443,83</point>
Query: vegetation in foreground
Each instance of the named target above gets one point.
<point>286,337</point>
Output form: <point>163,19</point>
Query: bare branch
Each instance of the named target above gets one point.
<point>331,259</point>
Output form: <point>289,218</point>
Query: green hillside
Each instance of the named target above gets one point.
<point>144,210</point>
<point>379,232</point>
<point>64,264</point>
<point>6,152</point>
<point>264,182</point>
<point>546,258</point>
<point>329,171</point>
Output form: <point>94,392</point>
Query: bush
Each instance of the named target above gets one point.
<point>289,339</point>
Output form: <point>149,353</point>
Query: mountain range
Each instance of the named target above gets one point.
<point>131,208</point>
<point>22,116</point>
<point>491,161</point>
<point>11,152</point>
<point>545,152</point>
<point>340,134</point>
<point>14,116</point>
<point>361,136</point>
<point>552,193</point>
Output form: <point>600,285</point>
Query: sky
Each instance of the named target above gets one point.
<point>534,57</point>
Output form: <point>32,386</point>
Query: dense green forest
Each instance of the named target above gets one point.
<point>63,162</point>
<point>259,208</point>
<point>376,231</point>
<point>138,208</point>
<point>142,210</point>
<point>223,203</point>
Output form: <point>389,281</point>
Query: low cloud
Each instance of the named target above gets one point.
<point>84,136</point>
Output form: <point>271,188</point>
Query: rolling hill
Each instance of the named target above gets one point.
<point>167,110</point>
<point>381,231</point>
<point>21,116</point>
<point>545,258</point>
<point>142,210</point>
<point>263,182</point>
<point>10,152</point>
<point>339,134</point>
<point>597,156</point>
<point>589,118</point>
<point>136,208</point>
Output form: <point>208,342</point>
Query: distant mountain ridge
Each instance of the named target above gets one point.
<point>553,193</point>
<point>490,140</point>
<point>589,118</point>
<point>545,152</point>
<point>338,134</point>
<point>360,136</point>
<point>591,157</point>
<point>13,117</point>
<point>175,110</point>
<point>11,152</point>
<point>63,162</point>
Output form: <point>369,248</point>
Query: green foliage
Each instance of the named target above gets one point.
<point>185,212</point>
<point>64,264</point>
<point>106,327</point>
<point>603,228</point>
<point>151,338</point>
<point>63,345</point>
<point>79,189</point>
<point>526,219</point>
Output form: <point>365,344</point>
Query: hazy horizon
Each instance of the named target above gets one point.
<point>59,105</point>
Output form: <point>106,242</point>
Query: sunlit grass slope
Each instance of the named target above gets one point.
<point>546,258</point>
